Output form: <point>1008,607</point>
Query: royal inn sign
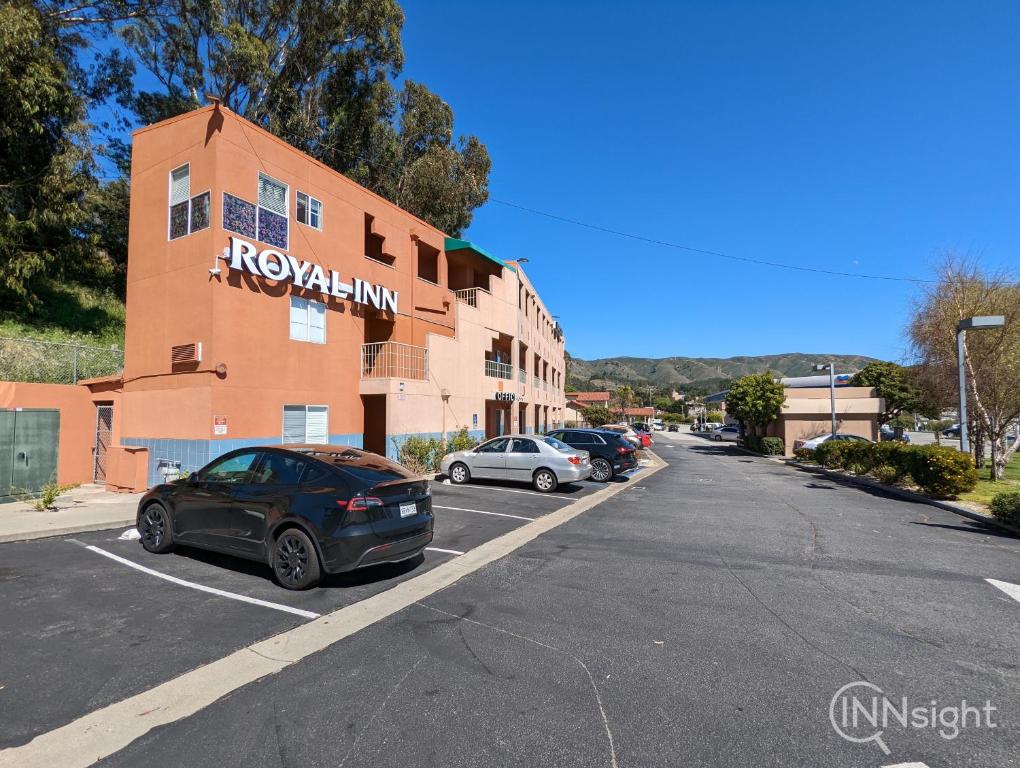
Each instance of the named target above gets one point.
<point>274,265</point>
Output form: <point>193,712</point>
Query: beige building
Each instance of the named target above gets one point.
<point>807,413</point>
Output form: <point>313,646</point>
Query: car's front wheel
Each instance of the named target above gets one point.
<point>459,474</point>
<point>155,530</point>
<point>601,470</point>
<point>295,561</point>
<point>545,481</point>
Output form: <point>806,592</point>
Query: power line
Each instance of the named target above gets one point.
<point>706,252</point>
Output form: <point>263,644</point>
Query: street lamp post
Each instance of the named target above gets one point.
<point>970,324</point>
<point>831,368</point>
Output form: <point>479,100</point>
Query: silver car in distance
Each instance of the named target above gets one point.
<point>543,461</point>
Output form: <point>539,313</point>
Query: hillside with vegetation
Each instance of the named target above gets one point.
<point>696,374</point>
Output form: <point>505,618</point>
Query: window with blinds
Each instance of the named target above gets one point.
<point>272,194</point>
<point>307,320</point>
<point>180,185</point>
<point>306,424</point>
<point>187,214</point>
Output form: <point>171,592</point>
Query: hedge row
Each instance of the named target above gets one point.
<point>770,446</point>
<point>940,472</point>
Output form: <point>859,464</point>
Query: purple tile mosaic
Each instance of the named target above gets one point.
<point>178,220</point>
<point>200,212</point>
<point>272,229</point>
<point>238,215</point>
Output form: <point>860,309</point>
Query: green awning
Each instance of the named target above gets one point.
<point>453,244</point>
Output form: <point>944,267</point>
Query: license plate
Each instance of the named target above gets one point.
<point>408,510</point>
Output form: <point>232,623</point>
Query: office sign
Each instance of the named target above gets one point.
<point>274,265</point>
<point>506,397</point>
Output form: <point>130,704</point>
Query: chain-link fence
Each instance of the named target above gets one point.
<point>54,362</point>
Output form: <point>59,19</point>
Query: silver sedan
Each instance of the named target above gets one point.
<point>542,461</point>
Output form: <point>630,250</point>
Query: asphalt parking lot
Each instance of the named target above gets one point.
<point>94,618</point>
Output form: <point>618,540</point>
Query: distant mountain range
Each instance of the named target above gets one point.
<point>697,373</point>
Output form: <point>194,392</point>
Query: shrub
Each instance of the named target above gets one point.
<point>1005,506</point>
<point>46,496</point>
<point>887,474</point>
<point>804,454</point>
<point>773,446</point>
<point>941,472</point>
<point>830,453</point>
<point>462,441</point>
<point>752,443</point>
<point>420,454</point>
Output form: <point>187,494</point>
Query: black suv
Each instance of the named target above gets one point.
<point>610,452</point>
<point>304,510</point>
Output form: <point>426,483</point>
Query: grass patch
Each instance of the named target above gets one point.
<point>986,489</point>
<point>70,312</point>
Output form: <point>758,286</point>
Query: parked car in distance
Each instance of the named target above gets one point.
<point>609,452</point>
<point>673,428</point>
<point>729,434</point>
<point>628,433</point>
<point>543,461</point>
<point>814,442</point>
<point>304,510</point>
<point>953,431</point>
<point>886,433</point>
<point>640,426</point>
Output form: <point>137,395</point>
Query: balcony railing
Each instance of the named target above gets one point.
<point>392,360</point>
<point>536,382</point>
<point>499,370</point>
<point>522,376</point>
<point>467,296</point>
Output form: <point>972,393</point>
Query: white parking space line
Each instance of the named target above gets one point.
<point>907,765</point>
<point>446,484</point>
<point>1013,590</point>
<point>483,512</point>
<point>447,551</point>
<point>203,588</point>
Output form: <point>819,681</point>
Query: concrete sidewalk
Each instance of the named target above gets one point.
<point>86,508</point>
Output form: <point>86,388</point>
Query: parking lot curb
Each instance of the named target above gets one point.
<point>65,530</point>
<point>105,731</point>
<point>905,494</point>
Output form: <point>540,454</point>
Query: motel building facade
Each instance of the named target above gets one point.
<point>272,300</point>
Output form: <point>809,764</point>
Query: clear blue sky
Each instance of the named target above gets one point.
<point>853,136</point>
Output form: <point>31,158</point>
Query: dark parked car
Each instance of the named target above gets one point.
<point>886,433</point>
<point>610,452</point>
<point>302,509</point>
<point>673,428</point>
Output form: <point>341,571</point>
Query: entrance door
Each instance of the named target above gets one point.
<point>374,427</point>
<point>104,435</point>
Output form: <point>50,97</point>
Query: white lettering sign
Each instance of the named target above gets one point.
<point>273,265</point>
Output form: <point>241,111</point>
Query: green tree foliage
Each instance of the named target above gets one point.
<point>895,385</point>
<point>319,74</point>
<point>47,157</point>
<point>597,415</point>
<point>755,400</point>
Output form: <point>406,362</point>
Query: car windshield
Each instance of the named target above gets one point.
<point>561,447</point>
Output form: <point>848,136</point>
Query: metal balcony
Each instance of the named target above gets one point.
<point>393,360</point>
<point>499,370</point>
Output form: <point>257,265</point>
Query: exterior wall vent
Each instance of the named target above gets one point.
<point>186,353</point>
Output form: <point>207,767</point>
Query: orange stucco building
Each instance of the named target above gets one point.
<point>271,299</point>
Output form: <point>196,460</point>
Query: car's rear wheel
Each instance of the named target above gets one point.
<point>155,529</point>
<point>545,481</point>
<point>459,474</point>
<point>295,561</point>
<point>601,470</point>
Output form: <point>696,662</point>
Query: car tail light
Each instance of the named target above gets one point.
<point>358,508</point>
<point>623,451</point>
<point>574,459</point>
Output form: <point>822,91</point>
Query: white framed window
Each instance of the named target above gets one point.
<point>307,320</point>
<point>306,424</point>
<point>180,184</point>
<point>309,210</point>
<point>187,214</point>
<point>272,216</point>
